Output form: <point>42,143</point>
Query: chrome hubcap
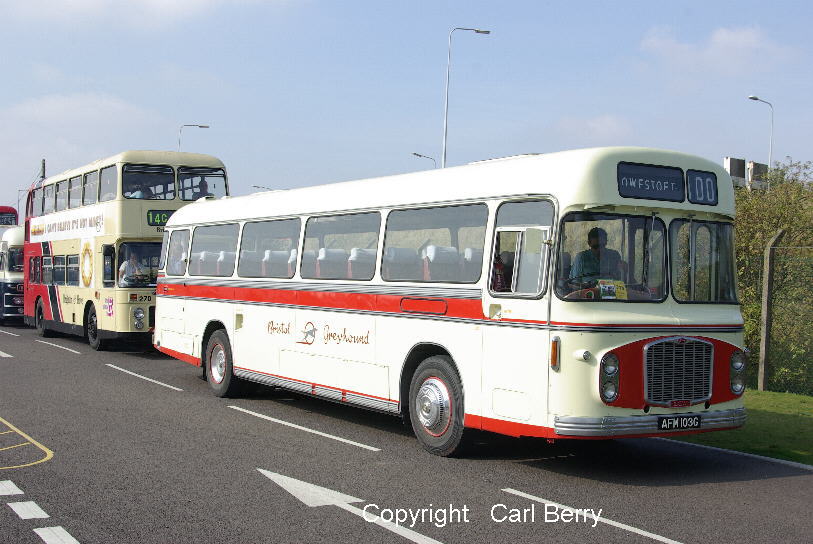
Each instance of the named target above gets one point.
<point>433,406</point>
<point>217,363</point>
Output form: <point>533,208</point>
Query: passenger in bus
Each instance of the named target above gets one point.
<point>203,190</point>
<point>597,262</point>
<point>144,193</point>
<point>129,269</point>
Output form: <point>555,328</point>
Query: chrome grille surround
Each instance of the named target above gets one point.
<point>678,368</point>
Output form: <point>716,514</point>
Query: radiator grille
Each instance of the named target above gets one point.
<point>678,369</point>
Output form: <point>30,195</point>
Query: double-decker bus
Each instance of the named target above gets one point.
<point>11,273</point>
<point>93,235</point>
<point>582,294</point>
<point>8,216</point>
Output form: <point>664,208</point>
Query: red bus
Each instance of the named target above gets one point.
<point>8,216</point>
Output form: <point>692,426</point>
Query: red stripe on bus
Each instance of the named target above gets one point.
<point>180,356</point>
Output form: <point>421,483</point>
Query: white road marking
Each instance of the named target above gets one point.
<point>299,427</point>
<point>793,464</point>
<point>9,333</point>
<point>55,535</point>
<point>28,510</point>
<point>145,378</point>
<point>7,487</point>
<point>58,346</point>
<point>4,354</point>
<point>624,526</point>
<point>314,495</point>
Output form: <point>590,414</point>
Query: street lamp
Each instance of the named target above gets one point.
<point>448,70</point>
<point>427,157</point>
<point>770,145</point>
<point>180,130</point>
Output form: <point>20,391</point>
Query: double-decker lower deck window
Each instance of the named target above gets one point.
<point>59,270</point>
<point>341,246</point>
<point>73,270</point>
<point>268,249</point>
<point>214,250</point>
<point>443,244</point>
<point>702,257</point>
<point>47,270</point>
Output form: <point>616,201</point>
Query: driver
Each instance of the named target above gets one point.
<point>129,268</point>
<point>203,190</point>
<point>596,262</point>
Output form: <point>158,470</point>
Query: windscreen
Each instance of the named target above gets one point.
<point>197,183</point>
<point>702,261</point>
<point>148,182</point>
<point>15,259</point>
<point>138,264</point>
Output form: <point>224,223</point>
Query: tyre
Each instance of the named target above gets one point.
<point>39,320</point>
<point>218,364</point>
<point>92,330</point>
<point>436,406</point>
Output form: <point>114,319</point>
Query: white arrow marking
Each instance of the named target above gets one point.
<point>7,487</point>
<point>314,495</point>
<point>28,510</point>
<point>4,354</point>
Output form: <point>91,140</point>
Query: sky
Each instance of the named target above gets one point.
<point>307,92</point>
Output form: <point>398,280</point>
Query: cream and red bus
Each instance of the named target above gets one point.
<point>581,294</point>
<point>11,273</point>
<point>93,235</point>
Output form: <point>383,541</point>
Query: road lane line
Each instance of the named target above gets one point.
<point>28,510</point>
<point>9,333</point>
<point>793,464</point>
<point>58,346</point>
<point>144,377</point>
<point>55,535</point>
<point>624,526</point>
<point>299,427</point>
<point>7,487</point>
<point>14,446</point>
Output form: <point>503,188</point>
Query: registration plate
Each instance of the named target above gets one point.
<point>678,423</point>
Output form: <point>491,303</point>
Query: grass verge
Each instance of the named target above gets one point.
<point>779,425</point>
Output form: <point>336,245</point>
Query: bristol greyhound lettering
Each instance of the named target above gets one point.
<point>309,334</point>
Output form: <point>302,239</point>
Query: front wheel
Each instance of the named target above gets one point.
<point>436,406</point>
<point>92,330</point>
<point>218,363</point>
<point>39,320</point>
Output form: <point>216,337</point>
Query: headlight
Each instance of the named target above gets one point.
<point>737,372</point>
<point>17,301</point>
<point>138,313</point>
<point>609,364</point>
<point>737,384</point>
<point>609,390</point>
<point>738,361</point>
<point>139,324</point>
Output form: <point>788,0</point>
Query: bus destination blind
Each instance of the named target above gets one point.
<point>158,218</point>
<point>702,187</point>
<point>650,182</point>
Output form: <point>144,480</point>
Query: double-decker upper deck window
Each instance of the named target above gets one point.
<point>177,255</point>
<point>148,182</point>
<point>611,257</point>
<point>702,261</point>
<point>75,192</point>
<point>61,195</point>
<point>268,249</point>
<point>341,246</point>
<point>48,198</point>
<point>90,189</point>
<point>36,203</point>
<point>107,183</point>
<point>195,183</point>
<point>443,244</point>
<point>520,254</point>
<point>214,250</point>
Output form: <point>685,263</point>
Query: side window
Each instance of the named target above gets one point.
<point>108,178</point>
<point>48,198</point>
<point>47,271</point>
<point>178,255</point>
<point>214,250</point>
<point>162,259</point>
<point>37,203</point>
<point>59,270</point>
<point>268,249</point>
<point>61,195</point>
<point>341,247</point>
<point>34,270</point>
<point>195,183</point>
<point>520,254</point>
<point>442,244</point>
<point>90,185</point>
<point>75,192</point>
<point>73,270</point>
<point>148,182</point>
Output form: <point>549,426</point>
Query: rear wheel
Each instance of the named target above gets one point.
<point>92,330</point>
<point>39,320</point>
<point>436,406</point>
<point>218,364</point>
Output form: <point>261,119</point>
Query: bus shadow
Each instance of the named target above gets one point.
<point>632,462</point>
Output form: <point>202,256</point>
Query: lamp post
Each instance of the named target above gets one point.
<point>180,130</point>
<point>427,157</point>
<point>448,71</point>
<point>770,144</point>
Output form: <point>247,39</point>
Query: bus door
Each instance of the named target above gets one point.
<point>170,292</point>
<point>515,303</point>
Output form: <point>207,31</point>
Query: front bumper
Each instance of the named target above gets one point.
<point>646,425</point>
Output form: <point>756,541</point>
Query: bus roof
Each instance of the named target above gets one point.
<point>14,236</point>
<point>170,158</point>
<point>583,178</point>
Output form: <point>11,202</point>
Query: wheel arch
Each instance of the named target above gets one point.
<point>212,326</point>
<point>417,354</point>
